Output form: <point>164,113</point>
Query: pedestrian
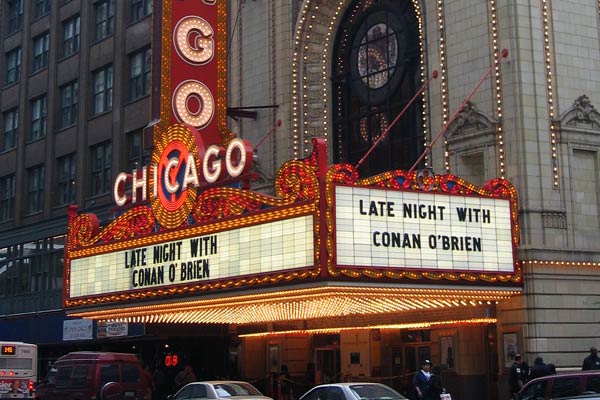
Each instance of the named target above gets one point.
<point>436,385</point>
<point>160,383</point>
<point>184,377</point>
<point>286,384</point>
<point>421,379</point>
<point>539,369</point>
<point>592,361</point>
<point>516,378</point>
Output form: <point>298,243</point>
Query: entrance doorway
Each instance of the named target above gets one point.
<point>327,364</point>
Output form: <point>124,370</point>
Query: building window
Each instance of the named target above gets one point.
<point>11,129</point>
<point>374,75</point>
<point>7,197</point>
<point>68,104</point>
<point>65,182</point>
<point>101,168</point>
<point>13,65</point>
<point>35,189</point>
<point>105,16</point>
<point>41,8</point>
<point>71,35</point>
<point>103,89</point>
<point>15,15</point>
<point>137,155</point>
<point>39,111</point>
<point>140,9</point>
<point>41,44</point>
<point>140,64</point>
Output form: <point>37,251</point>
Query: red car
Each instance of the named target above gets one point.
<point>83,375</point>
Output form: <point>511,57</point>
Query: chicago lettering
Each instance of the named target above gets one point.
<point>234,160</point>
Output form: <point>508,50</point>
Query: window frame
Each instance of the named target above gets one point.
<point>72,108</point>
<point>13,65</point>
<point>100,168</point>
<point>102,93</point>
<point>66,172</point>
<point>42,111</point>
<point>104,18</point>
<point>8,192</point>
<point>15,16</point>
<point>140,82</point>
<point>137,154</point>
<point>39,52</point>
<point>35,188</point>
<point>72,27</point>
<point>139,9</point>
<point>12,131</point>
<point>41,8</point>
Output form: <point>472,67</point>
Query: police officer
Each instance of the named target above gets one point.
<point>592,361</point>
<point>516,380</point>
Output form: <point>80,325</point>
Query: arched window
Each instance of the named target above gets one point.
<point>375,74</point>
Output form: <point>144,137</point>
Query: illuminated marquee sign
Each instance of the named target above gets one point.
<point>191,56</point>
<point>430,231</point>
<point>179,167</point>
<point>254,250</point>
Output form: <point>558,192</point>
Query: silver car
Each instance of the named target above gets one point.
<point>352,391</point>
<point>219,390</point>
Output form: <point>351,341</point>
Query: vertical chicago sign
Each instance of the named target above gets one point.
<point>189,50</point>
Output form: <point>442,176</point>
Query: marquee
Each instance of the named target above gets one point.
<point>189,224</point>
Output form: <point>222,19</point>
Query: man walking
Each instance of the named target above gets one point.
<point>421,379</point>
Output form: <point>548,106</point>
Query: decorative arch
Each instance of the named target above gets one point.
<point>317,24</point>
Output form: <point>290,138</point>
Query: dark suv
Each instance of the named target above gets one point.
<point>83,375</point>
<point>564,385</point>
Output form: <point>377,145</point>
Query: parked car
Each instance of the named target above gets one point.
<point>559,386</point>
<point>352,391</point>
<point>83,375</point>
<point>227,390</point>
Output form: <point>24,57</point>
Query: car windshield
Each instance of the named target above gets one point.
<point>375,392</point>
<point>236,389</point>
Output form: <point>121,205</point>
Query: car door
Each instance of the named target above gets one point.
<point>535,391</point>
<point>593,384</point>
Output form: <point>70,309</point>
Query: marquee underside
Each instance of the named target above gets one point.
<point>303,304</point>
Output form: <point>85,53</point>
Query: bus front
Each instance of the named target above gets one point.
<point>18,370</point>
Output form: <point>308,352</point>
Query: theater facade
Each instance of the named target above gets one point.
<point>360,270</point>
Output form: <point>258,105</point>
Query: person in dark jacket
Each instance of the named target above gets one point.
<point>421,379</point>
<point>539,369</point>
<point>516,379</point>
<point>436,385</point>
<point>592,361</point>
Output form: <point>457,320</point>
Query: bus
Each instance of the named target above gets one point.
<point>18,370</point>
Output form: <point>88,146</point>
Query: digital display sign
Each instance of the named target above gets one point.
<point>8,350</point>
<point>252,250</point>
<point>428,231</point>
